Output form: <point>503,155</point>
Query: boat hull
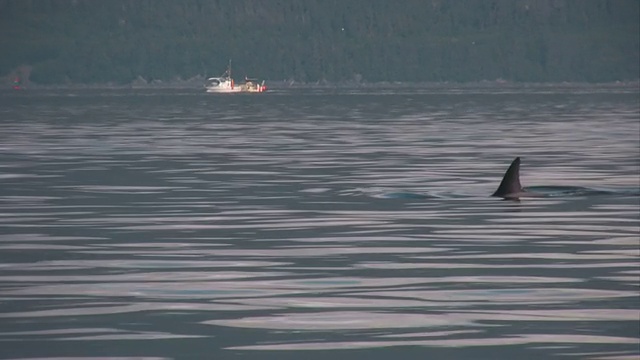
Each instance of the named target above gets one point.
<point>223,90</point>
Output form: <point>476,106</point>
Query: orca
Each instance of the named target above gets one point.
<point>510,187</point>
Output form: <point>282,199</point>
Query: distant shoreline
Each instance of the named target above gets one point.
<point>279,85</point>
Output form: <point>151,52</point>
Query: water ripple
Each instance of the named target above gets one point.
<point>314,221</point>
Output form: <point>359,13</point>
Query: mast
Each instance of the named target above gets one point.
<point>229,73</point>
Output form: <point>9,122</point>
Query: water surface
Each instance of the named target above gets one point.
<point>332,223</point>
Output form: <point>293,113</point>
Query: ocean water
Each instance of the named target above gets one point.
<point>320,224</point>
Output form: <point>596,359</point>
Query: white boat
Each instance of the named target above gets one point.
<point>225,84</point>
<point>222,84</point>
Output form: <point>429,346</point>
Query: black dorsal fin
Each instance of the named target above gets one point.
<point>510,185</point>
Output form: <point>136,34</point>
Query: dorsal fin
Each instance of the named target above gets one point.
<point>510,184</point>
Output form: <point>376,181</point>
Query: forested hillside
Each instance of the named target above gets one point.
<point>89,41</point>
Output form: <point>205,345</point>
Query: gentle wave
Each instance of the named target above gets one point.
<point>315,221</point>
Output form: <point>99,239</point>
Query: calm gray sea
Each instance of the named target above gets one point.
<point>319,224</point>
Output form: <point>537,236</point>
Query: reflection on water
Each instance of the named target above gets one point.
<point>323,221</point>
